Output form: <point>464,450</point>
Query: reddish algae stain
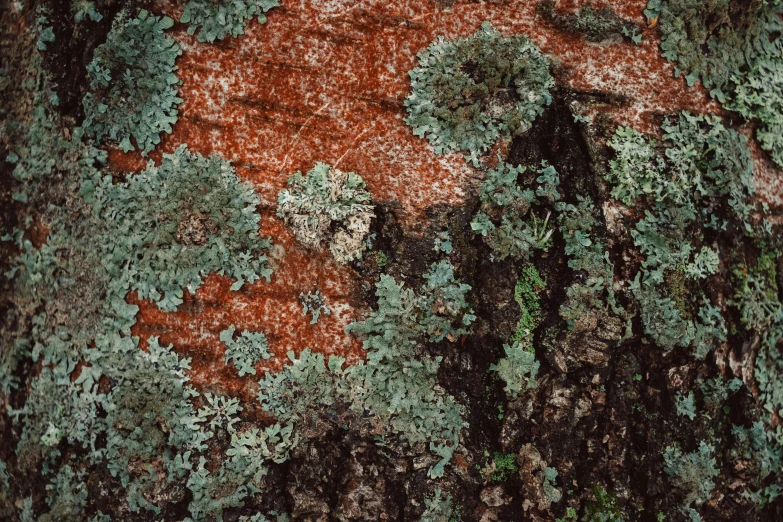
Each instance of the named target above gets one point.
<point>325,80</point>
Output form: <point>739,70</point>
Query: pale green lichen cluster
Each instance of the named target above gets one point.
<point>190,209</point>
<point>468,93</point>
<point>100,403</point>
<point>396,383</point>
<point>697,183</point>
<point>735,50</point>
<point>508,219</point>
<point>596,24</point>
<point>103,401</point>
<point>437,507</point>
<point>683,192</point>
<point>216,19</point>
<point>693,473</point>
<point>133,85</point>
<point>587,301</point>
<point>686,180</point>
<point>246,350</point>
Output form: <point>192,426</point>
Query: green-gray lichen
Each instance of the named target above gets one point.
<point>84,9</point>
<point>190,209</point>
<point>759,94</point>
<point>701,159</point>
<point>133,88</point>
<point>518,368</point>
<point>596,24</point>
<point>507,219</point>
<point>100,402</point>
<point>314,304</point>
<point>469,92</point>
<point>93,409</point>
<point>701,170</point>
<point>396,382</point>
<point>588,299</point>
<point>765,457</point>
<point>437,507</point>
<point>246,350</point>
<point>734,48</point>
<point>692,472</point>
<point>215,19</point>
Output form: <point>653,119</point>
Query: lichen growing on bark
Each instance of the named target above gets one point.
<point>581,322</point>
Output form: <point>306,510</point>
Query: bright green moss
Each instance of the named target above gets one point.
<point>469,92</point>
<point>526,291</point>
<point>133,88</point>
<point>604,509</point>
<point>518,369</point>
<point>504,466</point>
<point>215,19</point>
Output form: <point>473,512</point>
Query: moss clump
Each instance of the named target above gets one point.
<point>604,509</point>
<point>505,466</point>
<point>467,93</point>
<point>133,88</point>
<point>526,295</point>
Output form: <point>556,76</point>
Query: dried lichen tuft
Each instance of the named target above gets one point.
<point>328,205</point>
